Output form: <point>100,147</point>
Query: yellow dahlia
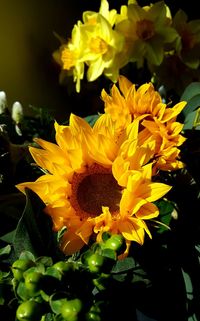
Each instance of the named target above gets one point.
<point>128,103</point>
<point>96,180</point>
<point>165,139</point>
<point>68,56</point>
<point>158,127</point>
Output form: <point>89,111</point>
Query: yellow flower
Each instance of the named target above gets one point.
<point>102,44</point>
<point>93,43</point>
<point>144,104</point>
<point>68,56</point>
<point>128,103</point>
<point>147,32</point>
<point>165,139</point>
<point>97,180</point>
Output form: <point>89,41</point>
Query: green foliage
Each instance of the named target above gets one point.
<point>191,95</point>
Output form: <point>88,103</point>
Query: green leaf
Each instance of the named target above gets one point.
<point>22,291</point>
<point>8,237</point>
<point>165,214</point>
<point>5,251</point>
<point>192,105</point>
<point>121,277</point>
<point>53,273</point>
<point>26,255</point>
<point>189,120</point>
<point>192,95</point>
<point>190,91</point>
<point>124,265</point>
<point>48,317</point>
<point>45,260</point>
<point>34,230</point>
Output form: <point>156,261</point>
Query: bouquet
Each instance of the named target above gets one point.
<point>101,211</point>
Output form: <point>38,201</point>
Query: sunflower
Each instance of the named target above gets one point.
<point>157,121</point>
<point>97,179</point>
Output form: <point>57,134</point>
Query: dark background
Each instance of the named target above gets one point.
<point>28,72</point>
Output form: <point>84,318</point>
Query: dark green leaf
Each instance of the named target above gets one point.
<point>34,230</point>
<point>8,238</point>
<point>48,317</point>
<point>120,277</point>
<point>4,276</point>
<point>165,214</point>
<point>189,120</point>
<point>192,105</point>
<point>124,265</point>
<point>45,260</point>
<point>190,91</point>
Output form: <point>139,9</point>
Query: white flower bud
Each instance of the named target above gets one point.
<point>17,112</point>
<point>3,102</point>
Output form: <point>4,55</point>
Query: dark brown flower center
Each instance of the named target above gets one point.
<point>145,29</point>
<point>94,188</point>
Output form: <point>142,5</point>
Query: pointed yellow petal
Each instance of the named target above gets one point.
<point>132,230</point>
<point>147,211</point>
<point>130,204</point>
<point>155,191</point>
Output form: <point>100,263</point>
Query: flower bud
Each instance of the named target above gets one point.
<point>17,112</point>
<point>3,102</point>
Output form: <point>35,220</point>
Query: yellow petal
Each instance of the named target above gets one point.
<point>155,191</point>
<point>71,243</point>
<point>147,211</point>
<point>132,230</point>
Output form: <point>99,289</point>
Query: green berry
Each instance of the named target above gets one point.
<point>93,314</point>
<point>95,262</point>
<point>29,311</point>
<point>63,267</point>
<point>33,282</point>
<point>19,267</point>
<point>70,309</point>
<point>116,242</point>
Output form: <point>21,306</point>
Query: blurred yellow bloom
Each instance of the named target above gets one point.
<point>97,180</point>
<point>68,56</point>
<point>188,45</point>
<point>147,32</point>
